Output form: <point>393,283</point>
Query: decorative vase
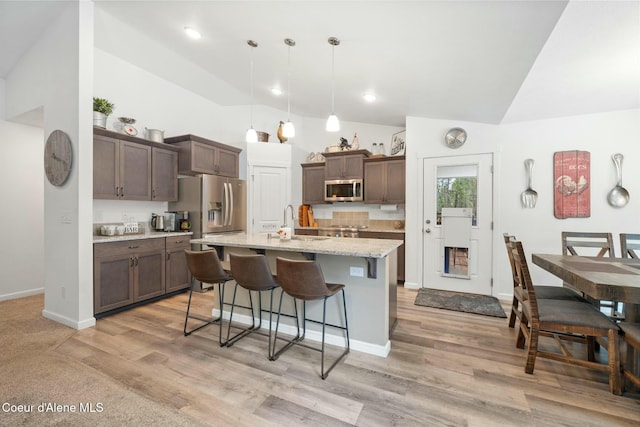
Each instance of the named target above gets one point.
<point>99,119</point>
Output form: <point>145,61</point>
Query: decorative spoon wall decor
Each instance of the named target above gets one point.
<point>529,197</point>
<point>618,196</point>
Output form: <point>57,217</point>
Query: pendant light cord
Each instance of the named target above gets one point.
<point>251,77</point>
<point>289,82</point>
<point>333,52</point>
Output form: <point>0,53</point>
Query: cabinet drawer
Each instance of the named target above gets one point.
<point>174,242</point>
<point>128,246</point>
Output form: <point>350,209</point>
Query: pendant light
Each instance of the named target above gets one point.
<point>288,130</point>
<point>333,125</point>
<point>252,135</point>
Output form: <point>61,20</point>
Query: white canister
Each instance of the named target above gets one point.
<point>285,233</point>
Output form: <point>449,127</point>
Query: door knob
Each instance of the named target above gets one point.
<point>428,230</point>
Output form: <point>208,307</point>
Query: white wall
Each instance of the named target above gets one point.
<point>600,134</point>
<point>56,74</point>
<point>21,171</point>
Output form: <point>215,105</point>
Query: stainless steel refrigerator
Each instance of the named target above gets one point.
<point>216,204</point>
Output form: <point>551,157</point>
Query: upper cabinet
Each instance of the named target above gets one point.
<point>384,180</point>
<point>344,164</point>
<point>199,155</point>
<point>128,168</point>
<point>313,183</point>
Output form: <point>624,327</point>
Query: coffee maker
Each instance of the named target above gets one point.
<point>183,221</point>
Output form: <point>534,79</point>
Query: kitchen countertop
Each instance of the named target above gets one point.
<point>370,248</point>
<point>147,235</point>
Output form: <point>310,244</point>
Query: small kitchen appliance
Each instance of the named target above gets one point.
<point>157,222</point>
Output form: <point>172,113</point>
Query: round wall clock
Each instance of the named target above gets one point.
<point>58,157</point>
<point>455,137</point>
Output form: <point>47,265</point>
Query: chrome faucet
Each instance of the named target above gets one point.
<point>284,217</point>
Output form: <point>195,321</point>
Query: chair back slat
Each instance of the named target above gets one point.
<point>572,240</point>
<point>630,245</point>
<point>523,280</point>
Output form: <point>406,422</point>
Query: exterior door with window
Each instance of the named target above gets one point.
<point>457,223</point>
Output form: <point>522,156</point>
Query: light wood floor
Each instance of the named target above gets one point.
<point>445,368</point>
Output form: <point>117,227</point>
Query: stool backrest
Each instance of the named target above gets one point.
<point>301,279</point>
<point>205,266</point>
<point>602,241</point>
<point>252,272</point>
<point>630,245</point>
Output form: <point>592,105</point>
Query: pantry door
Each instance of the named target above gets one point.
<point>458,182</point>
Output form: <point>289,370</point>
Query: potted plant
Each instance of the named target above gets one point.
<point>101,109</point>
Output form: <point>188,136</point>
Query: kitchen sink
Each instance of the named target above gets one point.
<point>304,238</point>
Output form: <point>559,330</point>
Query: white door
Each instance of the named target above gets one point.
<point>269,195</point>
<point>458,182</point>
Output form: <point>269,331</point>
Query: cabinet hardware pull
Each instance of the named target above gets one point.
<point>136,261</point>
<point>134,247</point>
<point>168,256</point>
<point>131,259</point>
<point>179,241</point>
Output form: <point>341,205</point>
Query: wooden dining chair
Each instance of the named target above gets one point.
<point>630,245</point>
<point>596,244</point>
<point>631,334</point>
<point>542,291</point>
<point>563,318</point>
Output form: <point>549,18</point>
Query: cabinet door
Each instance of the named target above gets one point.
<point>135,171</point>
<point>333,168</point>
<point>352,166</point>
<point>203,158</point>
<point>177,276</point>
<point>227,163</point>
<point>374,182</point>
<point>313,184</point>
<point>105,168</point>
<point>113,282</point>
<point>150,270</point>
<point>395,177</point>
<point>164,175</point>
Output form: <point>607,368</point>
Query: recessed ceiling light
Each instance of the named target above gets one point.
<point>369,97</point>
<point>276,91</point>
<point>192,32</point>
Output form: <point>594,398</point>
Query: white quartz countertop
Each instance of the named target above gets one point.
<point>370,248</point>
<point>148,235</point>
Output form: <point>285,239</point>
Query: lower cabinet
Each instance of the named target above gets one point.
<point>177,276</point>
<point>132,271</point>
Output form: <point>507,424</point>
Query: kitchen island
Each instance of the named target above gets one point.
<point>367,268</point>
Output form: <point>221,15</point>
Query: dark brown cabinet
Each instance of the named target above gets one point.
<point>392,236</point>
<point>164,175</point>
<point>128,168</point>
<point>121,169</point>
<point>384,180</point>
<point>312,183</point>
<point>127,272</point>
<point>133,271</point>
<point>344,164</point>
<point>199,155</point>
<point>177,273</point>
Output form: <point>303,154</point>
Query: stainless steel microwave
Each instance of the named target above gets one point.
<point>343,190</point>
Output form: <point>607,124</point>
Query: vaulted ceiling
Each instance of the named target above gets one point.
<point>483,61</point>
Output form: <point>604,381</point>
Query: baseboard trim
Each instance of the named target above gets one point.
<point>82,324</point>
<point>332,339</point>
<point>411,285</point>
<point>21,294</point>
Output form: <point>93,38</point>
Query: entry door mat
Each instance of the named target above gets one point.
<point>460,301</point>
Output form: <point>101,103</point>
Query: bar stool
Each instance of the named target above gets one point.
<point>206,267</point>
<point>303,280</point>
<point>252,273</point>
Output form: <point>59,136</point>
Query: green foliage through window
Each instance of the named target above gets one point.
<point>457,193</point>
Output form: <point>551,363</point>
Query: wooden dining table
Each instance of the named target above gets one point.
<point>602,278</point>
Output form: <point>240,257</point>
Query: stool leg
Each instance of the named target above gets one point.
<point>276,354</point>
<point>188,316</point>
<point>324,374</point>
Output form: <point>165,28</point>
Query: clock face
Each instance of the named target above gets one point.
<point>455,137</point>
<point>58,157</point>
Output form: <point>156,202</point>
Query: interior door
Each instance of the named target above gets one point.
<point>269,196</point>
<point>458,182</point>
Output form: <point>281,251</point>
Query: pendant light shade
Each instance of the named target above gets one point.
<point>333,124</point>
<point>252,135</point>
<point>288,130</point>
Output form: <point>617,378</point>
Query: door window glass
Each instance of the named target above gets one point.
<point>457,187</point>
